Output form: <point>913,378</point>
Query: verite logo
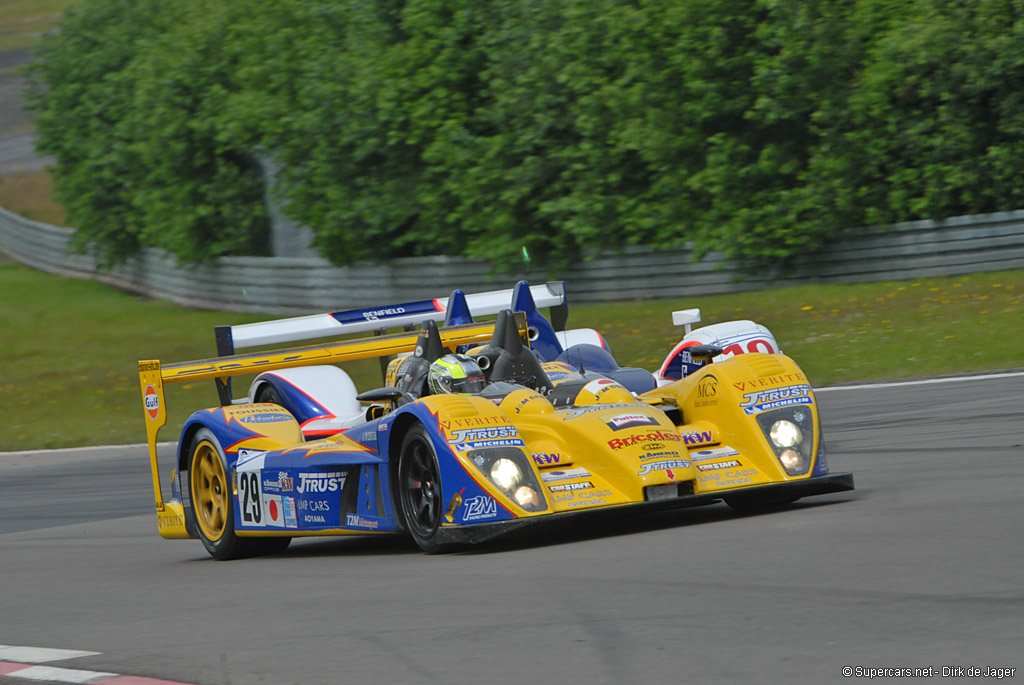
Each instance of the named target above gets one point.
<point>152,402</point>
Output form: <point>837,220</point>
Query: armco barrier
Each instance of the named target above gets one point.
<point>290,285</point>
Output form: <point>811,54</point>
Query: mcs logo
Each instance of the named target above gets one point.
<point>708,387</point>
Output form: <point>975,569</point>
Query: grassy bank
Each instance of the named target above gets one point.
<point>30,194</point>
<point>70,347</point>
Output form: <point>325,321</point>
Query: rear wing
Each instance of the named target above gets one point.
<point>457,308</point>
<point>153,374</point>
<point>370,319</point>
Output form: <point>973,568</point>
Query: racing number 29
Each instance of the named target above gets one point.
<point>249,485</point>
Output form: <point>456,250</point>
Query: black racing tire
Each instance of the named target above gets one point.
<point>210,491</point>
<point>268,393</point>
<point>750,505</point>
<point>420,502</point>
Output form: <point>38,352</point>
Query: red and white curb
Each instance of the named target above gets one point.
<point>23,662</point>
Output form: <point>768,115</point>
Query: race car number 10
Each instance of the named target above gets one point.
<point>755,345</point>
<point>249,489</point>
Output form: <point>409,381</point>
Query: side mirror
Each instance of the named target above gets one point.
<point>704,353</point>
<point>380,395</point>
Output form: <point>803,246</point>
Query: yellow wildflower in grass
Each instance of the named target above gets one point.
<point>806,308</point>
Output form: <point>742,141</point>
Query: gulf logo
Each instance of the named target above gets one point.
<point>152,402</point>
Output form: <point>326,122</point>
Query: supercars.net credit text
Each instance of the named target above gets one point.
<point>930,672</point>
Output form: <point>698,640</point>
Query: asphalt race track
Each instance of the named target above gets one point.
<point>921,566</point>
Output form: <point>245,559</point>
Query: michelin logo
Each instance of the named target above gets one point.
<point>496,436</point>
<point>766,400</point>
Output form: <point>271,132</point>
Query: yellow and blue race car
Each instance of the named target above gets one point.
<point>479,428</point>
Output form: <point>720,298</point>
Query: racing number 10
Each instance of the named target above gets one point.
<point>249,485</point>
<point>754,345</point>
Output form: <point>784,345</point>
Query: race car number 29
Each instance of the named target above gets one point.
<point>249,489</point>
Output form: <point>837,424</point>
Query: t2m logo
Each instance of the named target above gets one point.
<point>480,507</point>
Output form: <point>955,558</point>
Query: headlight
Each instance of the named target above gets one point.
<point>509,470</point>
<point>505,474</point>
<point>790,434</point>
<point>792,461</point>
<point>785,434</point>
<point>527,497</point>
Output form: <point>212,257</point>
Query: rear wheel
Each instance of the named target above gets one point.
<point>212,504</point>
<point>267,393</point>
<point>419,489</point>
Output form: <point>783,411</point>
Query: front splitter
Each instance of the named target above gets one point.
<point>774,492</point>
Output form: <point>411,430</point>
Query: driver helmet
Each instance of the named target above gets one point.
<point>455,374</point>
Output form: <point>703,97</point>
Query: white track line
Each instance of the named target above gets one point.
<point>93,448</point>
<point>926,381</point>
<point>59,675</point>
<point>40,655</point>
<point>21,662</point>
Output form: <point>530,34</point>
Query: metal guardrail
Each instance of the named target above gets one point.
<point>290,285</point>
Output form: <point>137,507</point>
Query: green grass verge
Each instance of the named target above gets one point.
<point>23,21</point>
<point>70,347</point>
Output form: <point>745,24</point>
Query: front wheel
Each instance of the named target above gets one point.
<point>419,489</point>
<point>212,504</point>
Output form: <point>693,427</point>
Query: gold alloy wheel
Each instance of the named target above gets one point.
<point>209,491</point>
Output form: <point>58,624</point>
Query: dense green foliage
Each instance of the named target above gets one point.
<point>762,129</point>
